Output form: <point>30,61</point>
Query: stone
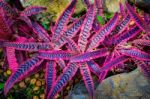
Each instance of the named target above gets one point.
<point>112,6</point>
<point>131,85</point>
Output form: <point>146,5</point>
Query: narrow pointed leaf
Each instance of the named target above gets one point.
<point>136,53</point>
<point>144,68</point>
<point>86,27</point>
<point>11,57</point>
<point>62,80</point>
<point>127,35</point>
<point>74,28</point>
<point>141,42</point>
<point>94,67</point>
<point>100,35</point>
<point>138,20</point>
<point>122,9</point>
<point>50,75</point>
<point>55,55</point>
<point>30,46</point>
<point>41,32</point>
<point>87,56</point>
<point>88,81</point>
<point>113,63</point>
<point>20,73</point>
<point>61,63</point>
<point>63,20</point>
<point>7,8</point>
<point>121,26</point>
<point>32,10</point>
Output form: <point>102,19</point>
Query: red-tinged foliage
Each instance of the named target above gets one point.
<point>73,46</point>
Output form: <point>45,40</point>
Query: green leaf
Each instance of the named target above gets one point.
<point>100,20</point>
<point>1,86</point>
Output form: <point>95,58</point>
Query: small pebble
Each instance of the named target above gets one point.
<point>42,96</point>
<point>33,81</point>
<point>38,83</point>
<point>131,23</point>
<point>22,85</point>
<point>35,97</point>
<point>37,75</point>
<point>27,79</point>
<point>35,88</point>
<point>43,82</point>
<point>8,72</point>
<point>5,74</point>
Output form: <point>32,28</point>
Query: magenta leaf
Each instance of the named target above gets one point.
<point>61,63</point>
<point>113,63</point>
<point>122,10</point>
<point>94,67</point>
<point>50,75</point>
<point>144,68</point>
<point>86,27</point>
<point>121,26</point>
<point>100,35</point>
<point>88,81</point>
<point>7,8</point>
<point>32,10</point>
<point>138,20</point>
<point>20,73</point>
<point>87,56</point>
<point>55,55</point>
<point>11,57</point>
<point>74,28</point>
<point>68,73</point>
<point>5,30</point>
<point>30,46</point>
<point>141,42</point>
<point>63,20</point>
<point>41,32</point>
<point>127,35</point>
<point>136,53</point>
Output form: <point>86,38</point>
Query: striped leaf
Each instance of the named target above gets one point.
<point>62,80</point>
<point>100,35</point>
<point>7,8</point>
<point>11,57</point>
<point>20,73</point>
<point>55,55</point>
<point>86,27</point>
<point>3,24</point>
<point>113,63</point>
<point>138,20</point>
<point>74,28</point>
<point>94,67</point>
<point>87,56</point>
<point>50,75</point>
<point>121,26</point>
<point>88,81</point>
<point>61,63</point>
<point>29,46</point>
<point>127,35</point>
<point>144,68</point>
<point>141,42</point>
<point>136,53</point>
<point>63,20</point>
<point>41,32</point>
<point>122,9</point>
<point>32,10</point>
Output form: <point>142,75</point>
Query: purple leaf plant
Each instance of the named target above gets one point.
<point>116,42</point>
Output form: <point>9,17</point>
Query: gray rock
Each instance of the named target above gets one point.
<point>131,85</point>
